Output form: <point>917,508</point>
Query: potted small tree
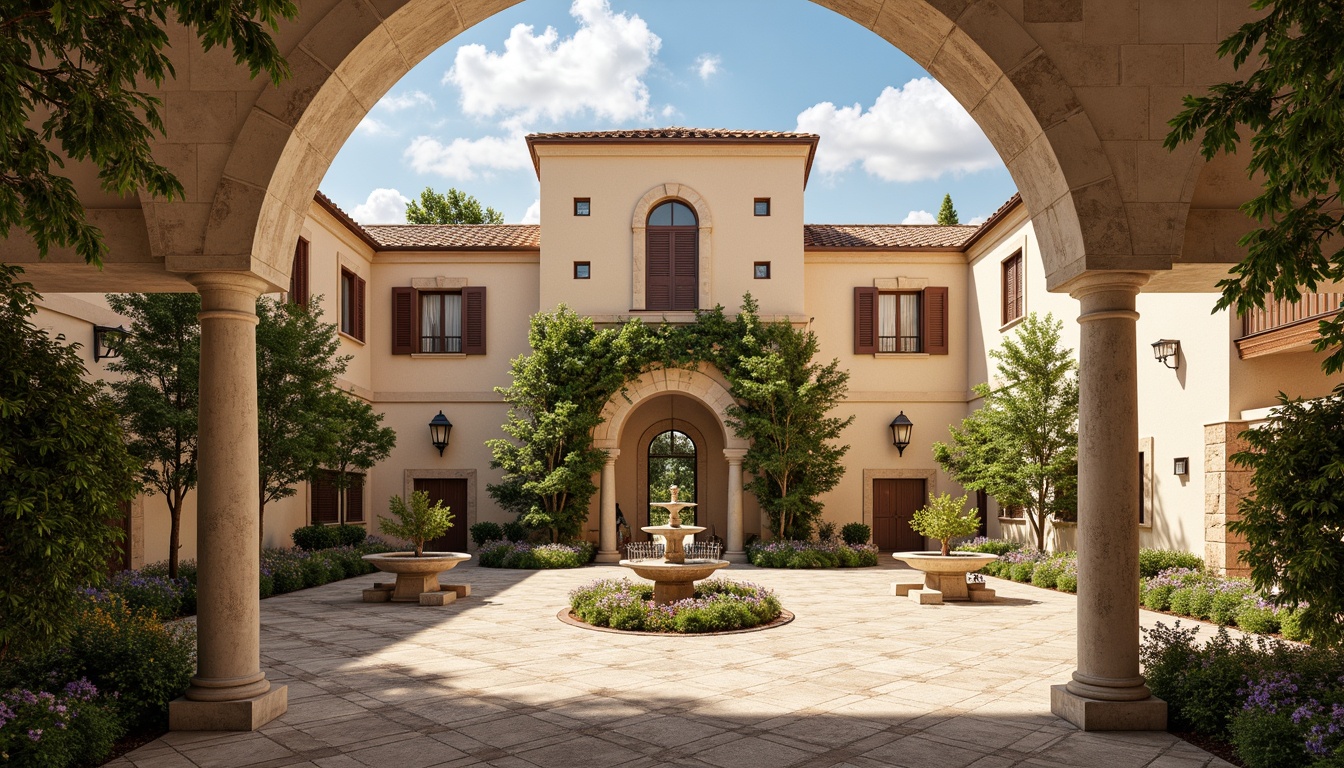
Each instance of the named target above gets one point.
<point>417,572</point>
<point>945,572</point>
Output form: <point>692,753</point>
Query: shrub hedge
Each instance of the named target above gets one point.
<point>315,537</point>
<point>811,554</point>
<point>511,554</point>
<point>856,533</point>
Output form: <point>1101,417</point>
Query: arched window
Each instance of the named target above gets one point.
<point>672,258</point>
<point>672,462</point>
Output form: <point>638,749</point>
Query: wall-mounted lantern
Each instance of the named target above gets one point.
<point>439,429</point>
<point>1182,466</point>
<point>901,427</point>
<point>107,341</point>
<point>1168,352</point>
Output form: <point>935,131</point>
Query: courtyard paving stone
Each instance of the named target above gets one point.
<point>860,678</point>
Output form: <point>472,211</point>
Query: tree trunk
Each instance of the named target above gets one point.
<point>419,549</point>
<point>947,547</point>
<point>174,532</point>
<point>261,521</point>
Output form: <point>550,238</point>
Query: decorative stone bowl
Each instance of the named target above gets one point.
<point>944,576</point>
<point>673,581</point>
<point>415,575</point>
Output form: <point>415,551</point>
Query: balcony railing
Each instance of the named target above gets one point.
<point>1278,314</point>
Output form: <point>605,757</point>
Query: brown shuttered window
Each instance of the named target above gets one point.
<point>935,321</point>
<point>473,320</point>
<point>354,500</point>
<point>685,269</point>
<point>324,507</point>
<point>298,275</point>
<point>865,321</point>
<point>352,304</point>
<point>658,269</point>
<point>360,314</point>
<point>1013,299</point>
<point>404,313</point>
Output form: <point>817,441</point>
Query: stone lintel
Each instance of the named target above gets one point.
<point>243,715</point>
<point>1148,714</point>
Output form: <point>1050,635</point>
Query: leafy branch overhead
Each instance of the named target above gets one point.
<point>1289,109</point>
<point>74,77</point>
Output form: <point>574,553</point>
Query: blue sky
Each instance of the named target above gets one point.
<point>892,140</point>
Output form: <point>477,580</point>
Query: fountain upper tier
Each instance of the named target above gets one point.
<point>673,578</point>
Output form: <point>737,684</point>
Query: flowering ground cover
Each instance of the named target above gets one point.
<point>719,605</point>
<point>811,554</point>
<point>502,553</point>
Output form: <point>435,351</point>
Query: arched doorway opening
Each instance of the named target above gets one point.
<point>671,461</point>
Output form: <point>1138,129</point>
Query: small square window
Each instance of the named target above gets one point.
<point>582,270</point>
<point>582,206</point>
<point>762,206</point>
<point>762,270</point>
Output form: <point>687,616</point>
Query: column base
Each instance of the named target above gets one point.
<point>735,557</point>
<point>1148,714</point>
<point>242,715</point>
<point>608,557</point>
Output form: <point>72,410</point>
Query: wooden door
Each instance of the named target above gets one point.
<point>894,504</point>
<point>453,493</point>
<point>120,558</point>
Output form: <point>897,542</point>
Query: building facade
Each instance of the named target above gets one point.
<point>656,224</point>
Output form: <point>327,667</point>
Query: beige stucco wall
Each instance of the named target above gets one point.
<point>727,180</point>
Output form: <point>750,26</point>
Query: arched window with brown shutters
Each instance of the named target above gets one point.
<point>672,258</point>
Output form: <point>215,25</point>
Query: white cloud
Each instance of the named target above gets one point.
<point>383,206</point>
<point>533,214</point>
<point>914,133</point>
<point>600,68</point>
<point>669,112</point>
<point>467,159</point>
<point>978,220</point>
<point>406,100</point>
<point>371,126</point>
<point>707,65</point>
<point>919,217</point>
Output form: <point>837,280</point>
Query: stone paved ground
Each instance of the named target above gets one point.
<point>860,678</point>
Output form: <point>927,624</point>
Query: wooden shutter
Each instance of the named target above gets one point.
<point>324,509</point>
<point>404,315</point>
<point>658,269</point>
<point>354,500</point>
<point>1012,288</point>
<point>865,321</point>
<point>473,320</point>
<point>359,308</point>
<point>298,275</point>
<point>685,269</point>
<point>935,321</point>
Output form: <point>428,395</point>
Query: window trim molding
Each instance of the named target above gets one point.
<point>877,331</point>
<point>587,200</point>
<point>757,265</point>
<point>769,209</point>
<point>587,264</point>
<point>408,487</point>
<point>638,231</point>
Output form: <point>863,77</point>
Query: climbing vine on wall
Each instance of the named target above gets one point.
<point>783,400</point>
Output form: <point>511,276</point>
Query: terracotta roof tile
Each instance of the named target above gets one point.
<point>672,133</point>
<point>457,236</point>
<point>885,235</point>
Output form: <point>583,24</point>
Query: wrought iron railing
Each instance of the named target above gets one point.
<point>432,344</point>
<point>1278,314</point>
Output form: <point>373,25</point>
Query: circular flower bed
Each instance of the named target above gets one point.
<point>516,554</point>
<point>719,605</point>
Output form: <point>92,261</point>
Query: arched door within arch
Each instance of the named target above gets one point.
<point>672,258</point>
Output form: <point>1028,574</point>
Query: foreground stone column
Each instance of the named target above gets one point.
<point>229,691</point>
<point>606,548</point>
<point>733,552</point>
<point>1107,692</point>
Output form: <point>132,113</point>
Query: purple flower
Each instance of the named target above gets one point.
<point>35,734</point>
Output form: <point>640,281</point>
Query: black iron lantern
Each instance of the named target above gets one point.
<point>1167,352</point>
<point>107,341</point>
<point>439,429</point>
<point>901,426</point>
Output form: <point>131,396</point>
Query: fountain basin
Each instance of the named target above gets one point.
<point>946,574</point>
<point>415,575</point>
<point>673,581</point>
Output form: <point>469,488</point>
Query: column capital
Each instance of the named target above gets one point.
<point>229,292</point>
<point>734,454</point>
<point>1106,281</point>
<point>612,454</point>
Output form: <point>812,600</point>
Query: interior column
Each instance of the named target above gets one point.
<point>606,550</point>
<point>229,692</point>
<point>734,552</point>
<point>1107,692</point>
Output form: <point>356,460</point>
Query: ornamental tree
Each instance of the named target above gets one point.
<point>1285,117</point>
<point>944,518</point>
<point>947,215</point>
<point>418,521</point>
<point>63,471</point>
<point>72,75</point>
<point>1021,445</point>
<point>159,394</point>
<point>354,440</point>
<point>1293,517</point>
<point>451,207</point>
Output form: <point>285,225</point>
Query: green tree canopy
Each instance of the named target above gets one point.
<point>354,439</point>
<point>944,518</point>
<point>63,471</point>
<point>1288,111</point>
<point>1021,445</point>
<point>297,366</point>
<point>72,74</point>
<point>416,522</point>
<point>159,395</point>
<point>451,207</point>
<point>947,215</point>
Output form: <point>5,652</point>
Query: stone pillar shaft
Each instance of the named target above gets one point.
<point>734,550</point>
<point>229,681</point>
<point>1107,691</point>
<point>606,550</point>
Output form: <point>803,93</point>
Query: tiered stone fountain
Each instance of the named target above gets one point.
<point>674,575</point>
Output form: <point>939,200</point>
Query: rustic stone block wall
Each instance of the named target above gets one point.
<point>1224,485</point>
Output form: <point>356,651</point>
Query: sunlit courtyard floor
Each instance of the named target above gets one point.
<point>860,678</point>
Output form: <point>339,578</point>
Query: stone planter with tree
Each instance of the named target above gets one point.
<point>944,571</point>
<point>417,572</point>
